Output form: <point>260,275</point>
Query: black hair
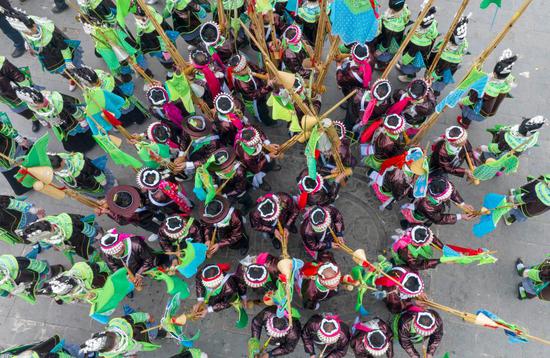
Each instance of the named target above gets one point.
<point>55,160</point>
<point>437,186</point>
<point>123,199</point>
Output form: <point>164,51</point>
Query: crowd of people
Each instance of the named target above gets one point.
<point>201,165</point>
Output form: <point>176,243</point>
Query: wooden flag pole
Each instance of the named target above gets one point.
<point>320,34</point>
<point>425,127</point>
<point>405,42</point>
<point>447,38</point>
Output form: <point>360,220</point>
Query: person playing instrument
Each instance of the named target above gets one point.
<point>318,227</point>
<point>501,82</point>
<point>372,339</point>
<point>398,297</point>
<point>223,226</point>
<point>414,248</point>
<point>279,333</point>
<point>326,333</point>
<point>272,212</point>
<point>321,280</point>
<point>316,191</point>
<point>258,274</point>
<point>387,141</point>
<point>417,325</point>
<point>450,151</point>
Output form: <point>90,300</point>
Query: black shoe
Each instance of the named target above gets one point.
<point>35,126</point>
<point>276,168</point>
<point>276,243</point>
<point>161,333</point>
<point>59,10</point>
<point>18,52</point>
<point>56,269</point>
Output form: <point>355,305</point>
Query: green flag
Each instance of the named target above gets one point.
<point>178,88</point>
<point>36,157</point>
<point>122,10</point>
<point>174,285</point>
<point>116,154</point>
<point>485,3</point>
<point>310,152</point>
<point>112,293</point>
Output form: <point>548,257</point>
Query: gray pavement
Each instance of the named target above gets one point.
<point>491,287</point>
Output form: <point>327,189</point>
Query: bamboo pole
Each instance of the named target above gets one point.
<point>471,166</point>
<point>408,38</point>
<point>331,56</point>
<point>477,64</point>
<point>320,34</point>
<point>447,38</point>
<point>180,61</point>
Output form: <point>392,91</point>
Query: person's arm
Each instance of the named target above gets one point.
<point>307,337</point>
<point>13,73</point>
<point>406,341</point>
<point>200,291</point>
<point>316,245</point>
<point>435,337</point>
<point>292,210</point>
<point>257,324</point>
<point>290,342</point>
<point>257,223</point>
<point>342,344</point>
<point>147,256</point>
<point>236,231</point>
<point>339,226</point>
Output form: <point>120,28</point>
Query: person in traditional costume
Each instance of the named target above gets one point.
<point>63,114</point>
<point>326,160</point>
<point>415,55</point>
<point>355,71</point>
<point>186,17</point>
<point>102,11</point>
<point>82,174</point>
<point>316,191</point>
<point>53,347</point>
<point>433,208</point>
<point>23,277</point>
<point>394,21</point>
<point>530,200</point>
<point>367,105</point>
<point>271,211</point>
<point>76,284</point>
<point>117,48</point>
<point>166,196</point>
<point>124,337</point>
<point>16,214</point>
<point>12,145</point>
<point>415,326</point>
<point>70,233</point>
<point>501,82</point>
<point>535,280</point>
<point>230,176</point>
<point>174,232</point>
<point>217,290</point>
<point>223,226</point>
<point>387,141</point>
<point>132,110</point>
<point>229,118</point>
<point>307,17</point>
<point>318,227</point>
<point>320,280</point>
<point>220,48</point>
<point>414,248</point>
<point>294,52</point>
<point>126,204</point>
<point>170,113</point>
<point>54,50</point>
<point>451,57</point>
<point>131,252</point>
<point>252,90</point>
<point>150,41</point>
<point>234,10</point>
<point>372,339</point>
<point>399,297</point>
<point>397,178</point>
<point>415,104</point>
<point>258,274</point>
<point>326,333</point>
<point>518,138</point>
<point>9,73</point>
<point>450,152</point>
<point>198,140</point>
<point>249,147</point>
<point>281,335</point>
<point>208,75</point>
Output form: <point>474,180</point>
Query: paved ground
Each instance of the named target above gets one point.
<point>468,288</point>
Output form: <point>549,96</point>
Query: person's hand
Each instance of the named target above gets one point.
<point>41,213</point>
<point>278,235</point>
<point>26,143</point>
<point>70,66</point>
<point>138,280</point>
<point>469,175</point>
<point>212,250</point>
<point>469,217</point>
<point>200,310</point>
<point>467,207</point>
